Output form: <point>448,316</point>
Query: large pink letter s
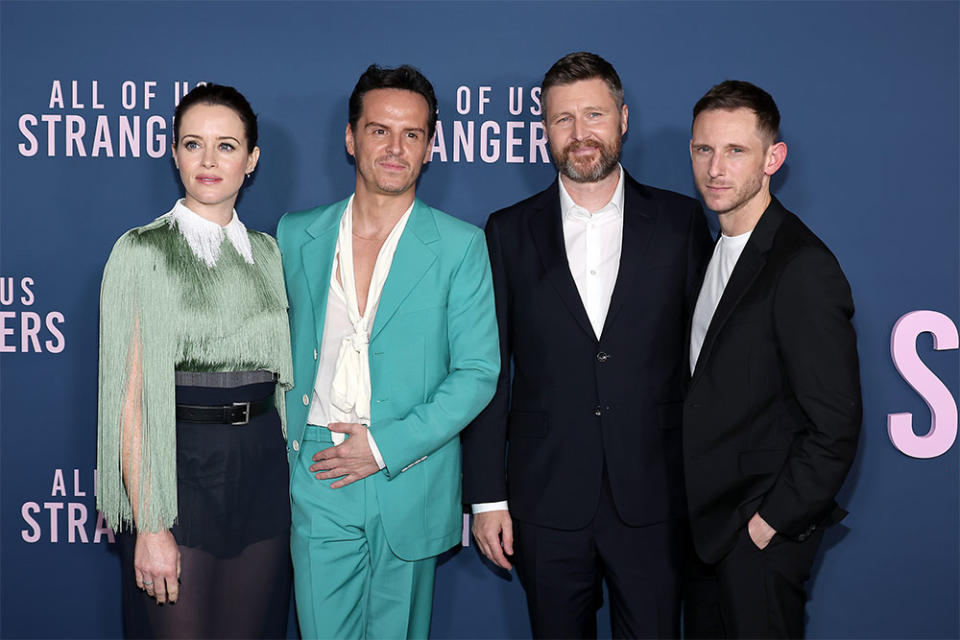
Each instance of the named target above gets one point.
<point>943,407</point>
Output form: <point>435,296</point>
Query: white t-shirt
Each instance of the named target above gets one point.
<point>724,259</point>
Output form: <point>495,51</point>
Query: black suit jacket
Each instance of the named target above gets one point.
<point>577,403</point>
<point>772,416</point>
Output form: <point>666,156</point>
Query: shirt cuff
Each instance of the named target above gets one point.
<point>483,507</point>
<point>375,451</point>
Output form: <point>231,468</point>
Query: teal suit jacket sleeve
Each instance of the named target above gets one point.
<point>472,360</point>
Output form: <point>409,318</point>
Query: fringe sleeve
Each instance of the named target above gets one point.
<point>136,421</point>
<point>271,262</point>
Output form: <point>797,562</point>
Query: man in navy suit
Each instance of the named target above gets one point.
<point>574,472</point>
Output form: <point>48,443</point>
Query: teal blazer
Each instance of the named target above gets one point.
<point>434,361</point>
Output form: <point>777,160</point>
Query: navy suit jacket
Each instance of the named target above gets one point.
<point>579,405</point>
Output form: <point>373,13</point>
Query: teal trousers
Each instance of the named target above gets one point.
<point>347,581</point>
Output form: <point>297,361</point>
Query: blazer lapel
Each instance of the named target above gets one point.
<point>691,304</point>
<point>410,262</point>
<point>748,266</point>
<point>317,256</point>
<point>638,228</point>
<point>546,227</point>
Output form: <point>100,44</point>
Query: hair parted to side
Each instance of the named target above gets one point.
<point>403,77</point>
<point>737,94</point>
<point>218,94</point>
<point>581,65</point>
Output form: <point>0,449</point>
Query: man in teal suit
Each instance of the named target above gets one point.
<point>395,350</point>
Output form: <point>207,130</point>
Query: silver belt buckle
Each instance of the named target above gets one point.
<point>246,413</point>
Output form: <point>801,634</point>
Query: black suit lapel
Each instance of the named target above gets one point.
<point>638,227</point>
<point>751,262</point>
<point>546,227</point>
<point>692,301</point>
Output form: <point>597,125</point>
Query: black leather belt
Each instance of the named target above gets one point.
<point>237,413</point>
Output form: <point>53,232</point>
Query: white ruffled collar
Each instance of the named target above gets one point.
<point>206,237</point>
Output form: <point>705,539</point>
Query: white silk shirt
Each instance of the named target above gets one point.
<point>341,391</point>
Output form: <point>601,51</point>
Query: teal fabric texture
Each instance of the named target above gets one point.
<point>434,361</point>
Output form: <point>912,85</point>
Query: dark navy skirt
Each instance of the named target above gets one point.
<point>232,480</point>
<point>232,529</point>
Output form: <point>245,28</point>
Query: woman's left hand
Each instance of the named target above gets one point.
<point>156,562</point>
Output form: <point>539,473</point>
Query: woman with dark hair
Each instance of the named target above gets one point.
<point>194,359</point>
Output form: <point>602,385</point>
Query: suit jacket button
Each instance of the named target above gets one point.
<point>296,445</point>
<point>603,356</point>
<point>306,400</point>
<point>597,411</point>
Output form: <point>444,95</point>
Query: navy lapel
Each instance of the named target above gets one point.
<point>638,229</point>
<point>748,266</point>
<point>410,262</point>
<point>317,259</point>
<point>546,227</point>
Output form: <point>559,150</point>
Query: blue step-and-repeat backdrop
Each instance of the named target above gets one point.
<point>869,97</point>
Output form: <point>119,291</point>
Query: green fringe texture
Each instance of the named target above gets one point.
<point>231,317</point>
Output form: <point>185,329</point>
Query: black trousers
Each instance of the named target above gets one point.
<point>751,593</point>
<point>562,574</point>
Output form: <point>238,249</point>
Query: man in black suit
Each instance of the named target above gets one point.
<point>772,416</point>
<point>575,474</point>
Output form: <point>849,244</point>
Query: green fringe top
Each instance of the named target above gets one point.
<point>191,317</point>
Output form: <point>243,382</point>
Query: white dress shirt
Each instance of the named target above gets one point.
<point>724,259</point>
<point>341,391</point>
<point>593,241</point>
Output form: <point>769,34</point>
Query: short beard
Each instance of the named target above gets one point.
<point>609,159</point>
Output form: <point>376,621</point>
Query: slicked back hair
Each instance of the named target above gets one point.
<point>403,77</point>
<point>218,94</point>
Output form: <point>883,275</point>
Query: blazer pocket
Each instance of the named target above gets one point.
<point>669,415</point>
<point>760,462</point>
<point>527,424</point>
<point>420,308</point>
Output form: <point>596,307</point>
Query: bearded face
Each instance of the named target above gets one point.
<point>589,160</point>
<point>585,125</point>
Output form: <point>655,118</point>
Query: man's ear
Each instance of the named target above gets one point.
<point>349,141</point>
<point>776,156</point>
<point>427,153</point>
